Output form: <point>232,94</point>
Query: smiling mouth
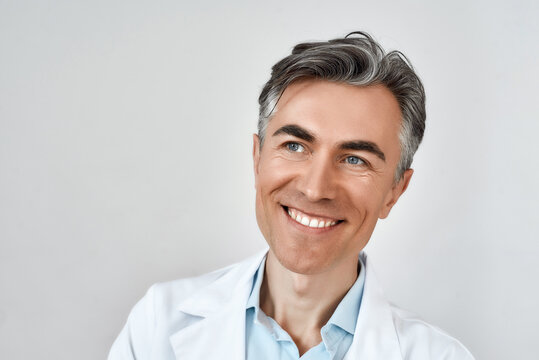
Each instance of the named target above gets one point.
<point>311,221</point>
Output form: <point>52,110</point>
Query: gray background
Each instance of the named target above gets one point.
<point>125,159</point>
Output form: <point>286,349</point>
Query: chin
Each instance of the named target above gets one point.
<point>301,261</point>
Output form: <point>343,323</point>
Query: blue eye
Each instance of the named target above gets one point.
<point>295,147</point>
<point>354,160</point>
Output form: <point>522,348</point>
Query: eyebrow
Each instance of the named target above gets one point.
<point>362,145</point>
<point>358,145</point>
<point>296,131</point>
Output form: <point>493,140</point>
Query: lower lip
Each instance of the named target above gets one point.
<point>308,228</point>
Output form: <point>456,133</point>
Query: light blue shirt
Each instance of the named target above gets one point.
<point>265,339</point>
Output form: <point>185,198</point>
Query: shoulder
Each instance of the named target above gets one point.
<point>171,293</point>
<point>197,295</point>
<point>421,340</point>
<point>408,336</point>
<point>212,287</point>
<point>170,306</point>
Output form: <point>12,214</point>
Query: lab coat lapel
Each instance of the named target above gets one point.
<point>216,317</point>
<point>375,335</point>
<point>218,336</point>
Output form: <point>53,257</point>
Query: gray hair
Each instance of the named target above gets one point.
<point>358,61</point>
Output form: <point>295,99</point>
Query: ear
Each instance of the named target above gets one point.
<point>256,155</point>
<point>394,194</point>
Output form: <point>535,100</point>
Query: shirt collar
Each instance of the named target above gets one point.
<point>344,316</point>
<point>254,297</point>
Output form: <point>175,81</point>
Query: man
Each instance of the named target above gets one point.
<point>339,124</point>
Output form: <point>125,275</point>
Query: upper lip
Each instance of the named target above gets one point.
<point>314,214</point>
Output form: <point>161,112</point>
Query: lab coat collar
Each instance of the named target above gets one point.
<point>375,336</point>
<point>216,316</point>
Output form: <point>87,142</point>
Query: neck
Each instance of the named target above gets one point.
<point>302,304</point>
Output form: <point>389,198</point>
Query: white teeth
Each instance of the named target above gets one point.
<point>307,221</point>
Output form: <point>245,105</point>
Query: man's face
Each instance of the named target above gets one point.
<point>325,172</point>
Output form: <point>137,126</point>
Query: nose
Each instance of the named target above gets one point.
<point>318,179</point>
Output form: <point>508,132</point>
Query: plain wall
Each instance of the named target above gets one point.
<point>125,160</point>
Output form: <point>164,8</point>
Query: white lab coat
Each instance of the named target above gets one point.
<point>203,318</point>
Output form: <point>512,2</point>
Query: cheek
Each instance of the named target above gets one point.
<point>273,175</point>
<point>267,186</point>
<point>366,198</point>
<point>260,213</point>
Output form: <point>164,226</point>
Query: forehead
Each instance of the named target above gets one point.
<point>337,112</point>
